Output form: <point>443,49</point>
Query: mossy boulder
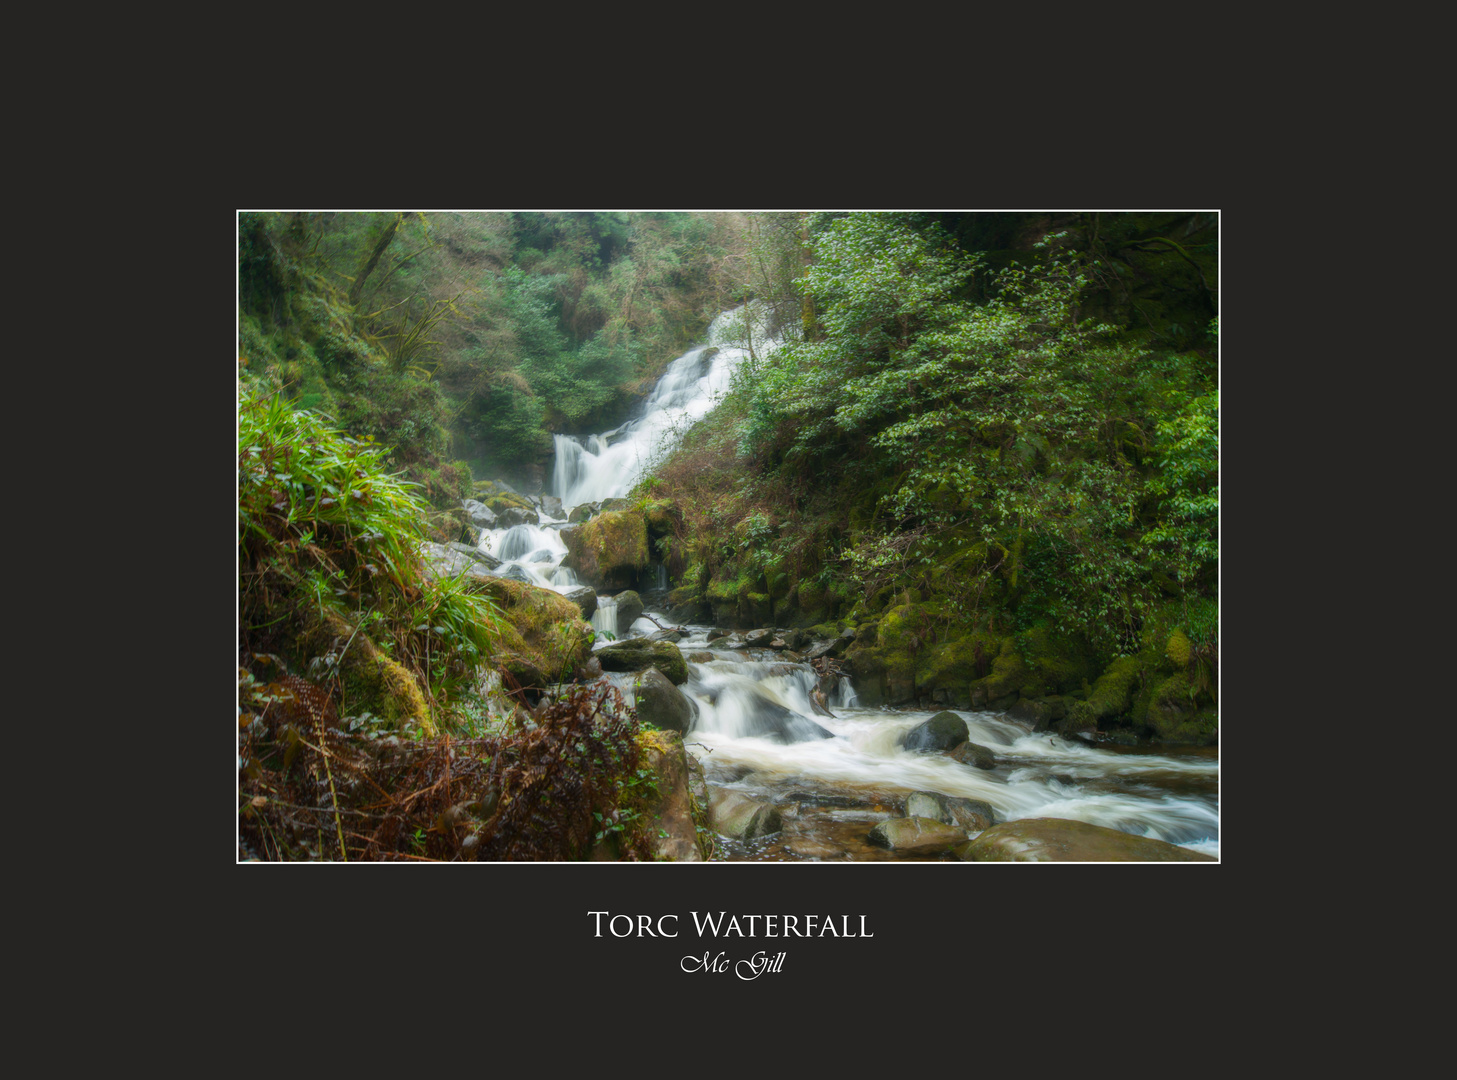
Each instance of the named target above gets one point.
<point>1174,717</point>
<point>1111,696</point>
<point>671,812</point>
<point>1059,840</point>
<point>610,551</point>
<point>639,654</point>
<point>663,518</point>
<point>1041,713</point>
<point>372,680</point>
<point>544,635</point>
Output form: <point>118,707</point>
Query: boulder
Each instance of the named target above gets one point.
<point>609,551</point>
<point>639,654</point>
<point>1059,840</point>
<point>927,804</point>
<point>584,598</point>
<point>758,639</point>
<point>740,817</point>
<point>629,608</point>
<point>943,731</point>
<point>481,515</point>
<point>970,753</point>
<point>769,720</point>
<point>916,836</point>
<point>969,814</point>
<point>1038,712</point>
<point>662,704</point>
<point>475,554</point>
<point>674,797</point>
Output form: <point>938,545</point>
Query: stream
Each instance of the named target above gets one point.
<point>834,777</point>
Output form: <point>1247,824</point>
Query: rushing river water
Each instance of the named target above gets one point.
<point>833,777</point>
<point>832,791</point>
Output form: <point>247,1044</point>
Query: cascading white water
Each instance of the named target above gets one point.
<point>606,466</point>
<point>745,740</point>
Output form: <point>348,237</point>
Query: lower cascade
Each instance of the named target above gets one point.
<point>834,777</point>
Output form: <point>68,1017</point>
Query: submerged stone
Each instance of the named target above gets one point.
<point>741,818</point>
<point>916,836</point>
<point>1060,840</point>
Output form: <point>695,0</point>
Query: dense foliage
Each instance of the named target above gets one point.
<point>1028,445</point>
<point>473,336</point>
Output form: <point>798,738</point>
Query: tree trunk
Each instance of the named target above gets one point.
<point>368,268</point>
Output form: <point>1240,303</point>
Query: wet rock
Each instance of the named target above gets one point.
<point>927,804</point>
<point>662,704</point>
<point>639,654</point>
<point>971,814</point>
<point>512,572</point>
<point>916,836</point>
<point>758,639</point>
<point>629,608</point>
<point>701,657</point>
<point>741,818</point>
<point>673,834</point>
<point>778,643</point>
<point>716,633</point>
<point>1059,840</point>
<point>943,731</point>
<point>815,849</point>
<point>769,720</point>
<point>673,636</point>
<point>475,554</point>
<point>970,753</point>
<point>584,598</point>
<point>481,515</point>
<point>515,515</point>
<point>551,505</point>
<point>967,814</point>
<point>589,671</point>
<point>581,513</point>
<point>833,647</point>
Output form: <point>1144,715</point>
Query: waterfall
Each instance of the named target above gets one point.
<point>607,465</point>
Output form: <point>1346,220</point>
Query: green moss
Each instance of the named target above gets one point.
<point>372,681</point>
<point>545,630</point>
<point>611,549</point>
<point>1179,648</point>
<point>1112,695</point>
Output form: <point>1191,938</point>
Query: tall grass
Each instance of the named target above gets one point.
<point>323,526</point>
